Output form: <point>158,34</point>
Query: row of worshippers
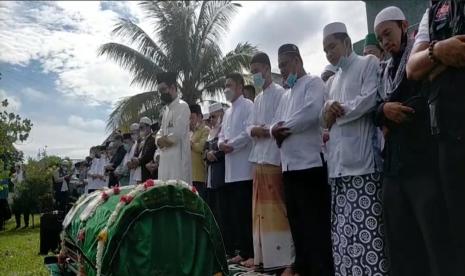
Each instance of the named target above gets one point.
<point>281,204</point>
<point>401,214</point>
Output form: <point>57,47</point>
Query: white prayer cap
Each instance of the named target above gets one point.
<point>330,68</point>
<point>389,14</point>
<point>214,107</point>
<point>134,126</point>
<point>334,28</point>
<point>145,120</point>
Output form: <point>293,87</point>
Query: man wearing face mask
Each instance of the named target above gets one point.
<point>297,133</point>
<point>145,149</point>
<point>273,245</point>
<point>199,137</point>
<point>417,231</point>
<point>135,174</point>
<point>173,137</point>
<point>116,159</point>
<point>354,176</point>
<point>96,174</point>
<point>122,171</point>
<point>236,144</point>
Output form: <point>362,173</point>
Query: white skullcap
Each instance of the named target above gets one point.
<point>389,14</point>
<point>330,68</point>
<point>145,120</point>
<point>134,126</point>
<point>334,28</point>
<point>214,107</point>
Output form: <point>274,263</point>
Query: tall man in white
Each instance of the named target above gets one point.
<point>355,179</point>
<point>236,144</point>
<point>297,132</point>
<point>173,137</point>
<point>273,245</point>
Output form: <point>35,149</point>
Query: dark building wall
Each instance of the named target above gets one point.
<point>413,10</point>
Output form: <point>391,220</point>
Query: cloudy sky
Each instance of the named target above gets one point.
<point>52,75</point>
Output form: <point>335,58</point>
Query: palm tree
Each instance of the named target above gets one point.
<point>188,35</point>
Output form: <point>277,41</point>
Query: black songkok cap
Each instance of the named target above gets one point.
<point>262,58</point>
<point>195,108</point>
<point>169,78</point>
<point>288,49</point>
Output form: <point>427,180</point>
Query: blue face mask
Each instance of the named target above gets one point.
<point>291,79</point>
<point>344,60</point>
<point>258,79</point>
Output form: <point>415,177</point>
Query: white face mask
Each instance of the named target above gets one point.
<point>229,94</point>
<point>343,60</point>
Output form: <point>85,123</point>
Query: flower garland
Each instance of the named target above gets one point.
<point>125,200</point>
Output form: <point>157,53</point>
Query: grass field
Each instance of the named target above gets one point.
<point>19,250</point>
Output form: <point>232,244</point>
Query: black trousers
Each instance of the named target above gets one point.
<point>201,188</point>
<point>452,174</point>
<point>417,231</point>
<point>308,203</point>
<point>237,206</point>
<point>214,200</point>
<point>25,214</point>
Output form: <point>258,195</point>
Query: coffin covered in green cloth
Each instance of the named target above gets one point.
<point>162,230</point>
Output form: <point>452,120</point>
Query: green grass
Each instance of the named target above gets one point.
<point>19,250</point>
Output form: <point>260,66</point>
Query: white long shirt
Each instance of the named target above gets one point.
<point>234,130</point>
<point>351,144</point>
<point>175,161</point>
<point>299,110</point>
<point>97,168</point>
<point>265,150</point>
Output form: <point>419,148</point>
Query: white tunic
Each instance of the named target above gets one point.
<point>352,137</point>
<point>97,168</point>
<point>265,150</point>
<point>299,109</point>
<point>234,130</point>
<point>175,161</point>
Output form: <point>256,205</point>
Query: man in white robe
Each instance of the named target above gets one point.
<point>173,137</point>
<point>355,178</point>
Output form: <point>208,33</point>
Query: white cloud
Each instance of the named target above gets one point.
<point>14,103</point>
<point>64,37</point>
<point>61,140</point>
<point>33,94</point>
<point>86,125</point>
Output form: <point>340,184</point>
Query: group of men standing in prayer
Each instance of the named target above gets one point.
<point>285,203</point>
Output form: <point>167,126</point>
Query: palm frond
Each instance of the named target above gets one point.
<point>142,68</point>
<point>129,110</point>
<point>137,37</point>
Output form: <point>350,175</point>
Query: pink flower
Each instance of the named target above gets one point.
<point>194,190</point>
<point>126,199</point>
<point>149,183</point>
<point>81,235</point>
<point>105,196</point>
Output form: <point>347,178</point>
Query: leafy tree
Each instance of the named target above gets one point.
<point>188,35</point>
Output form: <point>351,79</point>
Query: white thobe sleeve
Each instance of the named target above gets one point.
<point>252,122</point>
<point>243,138</point>
<point>423,30</point>
<point>366,100</point>
<point>308,115</point>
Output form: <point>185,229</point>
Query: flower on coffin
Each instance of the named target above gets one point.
<point>105,196</point>
<point>81,235</point>
<point>149,183</point>
<point>194,190</point>
<point>126,199</point>
<point>116,190</point>
<point>103,235</point>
